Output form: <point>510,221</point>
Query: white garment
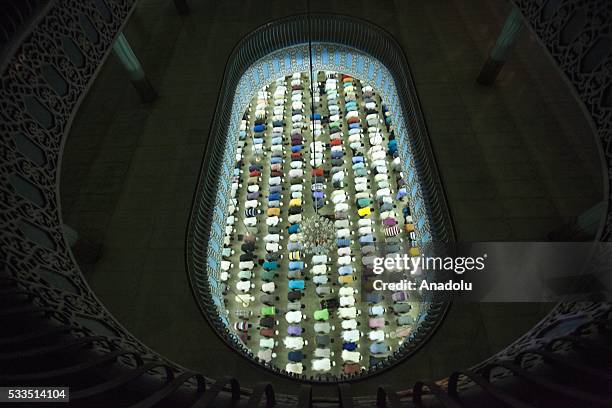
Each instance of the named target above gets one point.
<point>350,336</point>
<point>319,259</point>
<point>383,192</point>
<point>272,221</point>
<point>295,368</point>
<point>339,224</point>
<point>294,343</point>
<point>364,222</point>
<point>344,251</point>
<point>347,312</point>
<point>350,324</point>
<point>376,335</point>
<point>293,173</point>
<point>351,356</point>
<point>319,269</point>
<point>347,301</point>
<point>338,199</point>
<point>293,317</point>
<point>343,233</point>
<point>243,286</point>
<point>272,238</point>
<point>266,343</point>
<point>361,187</point>
<point>268,287</point>
<point>344,260</point>
<point>346,291</point>
<point>364,230</point>
<point>322,364</point>
<point>294,218</point>
<point>341,207</point>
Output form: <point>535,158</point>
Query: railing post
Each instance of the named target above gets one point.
<point>181,6</point>
<point>503,45</point>
<point>126,55</point>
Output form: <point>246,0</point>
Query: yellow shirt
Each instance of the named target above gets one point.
<point>273,212</point>
<point>364,211</point>
<point>345,279</point>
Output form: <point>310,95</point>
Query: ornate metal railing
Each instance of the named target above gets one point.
<point>54,329</point>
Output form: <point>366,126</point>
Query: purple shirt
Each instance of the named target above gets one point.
<point>389,221</point>
<point>318,195</point>
<point>294,330</point>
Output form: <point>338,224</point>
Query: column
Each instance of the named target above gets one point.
<point>126,55</point>
<point>500,51</point>
<point>181,6</point>
<point>583,227</point>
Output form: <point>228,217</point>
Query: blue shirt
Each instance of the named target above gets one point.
<point>345,270</point>
<point>343,242</point>
<point>349,346</point>
<point>295,356</point>
<point>366,239</point>
<point>270,266</point>
<point>378,348</point>
<point>296,284</point>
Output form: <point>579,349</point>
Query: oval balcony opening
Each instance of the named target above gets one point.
<point>314,173</point>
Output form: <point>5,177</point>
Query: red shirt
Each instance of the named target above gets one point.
<point>317,171</point>
<point>255,173</point>
<point>350,368</point>
<point>336,142</point>
<point>266,332</point>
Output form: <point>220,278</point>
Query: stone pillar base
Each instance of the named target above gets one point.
<point>145,89</point>
<point>489,72</point>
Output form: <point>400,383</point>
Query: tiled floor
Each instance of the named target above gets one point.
<point>517,160</point>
